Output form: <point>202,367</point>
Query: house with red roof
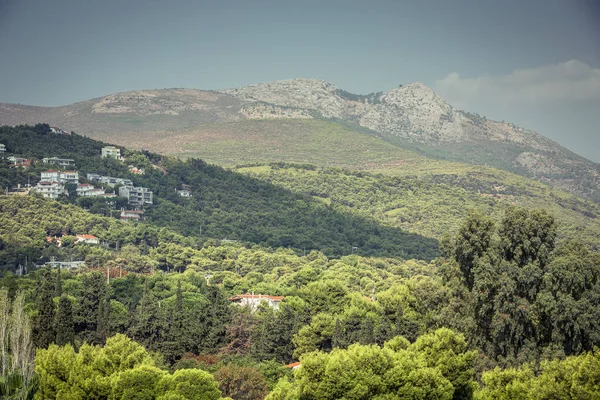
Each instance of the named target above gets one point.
<point>294,365</point>
<point>89,239</point>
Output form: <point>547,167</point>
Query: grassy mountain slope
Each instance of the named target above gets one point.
<point>318,142</point>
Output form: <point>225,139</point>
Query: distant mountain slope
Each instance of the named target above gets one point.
<point>175,121</point>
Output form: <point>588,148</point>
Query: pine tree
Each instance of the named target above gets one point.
<point>65,326</point>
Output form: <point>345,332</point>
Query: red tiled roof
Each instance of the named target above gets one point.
<point>255,296</point>
<point>87,236</point>
<point>294,365</point>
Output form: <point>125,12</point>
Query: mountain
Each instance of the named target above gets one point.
<point>216,124</point>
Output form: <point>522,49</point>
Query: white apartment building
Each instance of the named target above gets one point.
<point>63,162</point>
<point>110,181</point>
<point>50,189</point>
<point>2,148</point>
<point>60,176</point>
<point>111,151</point>
<point>136,196</point>
<point>88,190</point>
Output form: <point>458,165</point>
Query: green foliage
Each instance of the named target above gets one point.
<point>571,378</point>
<point>519,282</point>
<point>122,369</point>
<point>241,383</point>
<point>437,366</point>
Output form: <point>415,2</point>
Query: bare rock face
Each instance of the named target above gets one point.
<point>308,94</point>
<point>415,111</point>
<point>269,111</point>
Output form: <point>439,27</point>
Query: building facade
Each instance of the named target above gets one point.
<point>50,189</point>
<point>63,162</point>
<point>112,152</point>
<point>136,196</point>
<point>60,176</point>
<point>254,300</point>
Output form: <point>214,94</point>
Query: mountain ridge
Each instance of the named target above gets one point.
<point>412,116</point>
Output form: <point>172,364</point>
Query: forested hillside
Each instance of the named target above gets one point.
<point>225,205</point>
<point>505,305</point>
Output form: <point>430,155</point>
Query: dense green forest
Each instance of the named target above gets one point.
<point>506,306</point>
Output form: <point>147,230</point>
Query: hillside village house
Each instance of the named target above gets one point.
<point>135,170</point>
<point>136,196</point>
<point>254,300</point>
<point>50,189</point>
<point>60,176</point>
<point>62,162</point>
<point>89,239</point>
<point>19,161</point>
<point>64,264</point>
<point>131,215</point>
<point>88,190</point>
<point>184,193</point>
<point>109,180</point>
<point>2,148</point>
<point>112,152</point>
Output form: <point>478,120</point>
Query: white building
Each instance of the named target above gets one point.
<point>64,264</point>
<point>50,189</point>
<point>131,215</point>
<point>89,239</point>
<point>254,300</point>
<point>111,151</point>
<point>184,193</point>
<point>93,177</point>
<point>110,181</point>
<point>2,148</point>
<point>63,162</point>
<point>60,176</point>
<point>88,190</point>
<point>136,196</point>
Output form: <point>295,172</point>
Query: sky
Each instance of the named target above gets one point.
<point>532,62</point>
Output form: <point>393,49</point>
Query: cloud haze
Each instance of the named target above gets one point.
<point>565,82</point>
<point>560,101</point>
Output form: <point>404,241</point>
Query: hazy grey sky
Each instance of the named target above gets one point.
<point>532,62</point>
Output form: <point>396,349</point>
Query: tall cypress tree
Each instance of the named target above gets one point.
<point>65,325</point>
<point>92,307</point>
<point>44,322</point>
<point>176,342</point>
<point>58,286</point>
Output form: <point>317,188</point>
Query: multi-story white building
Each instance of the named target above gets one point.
<point>50,189</point>
<point>60,176</point>
<point>88,190</point>
<point>2,148</point>
<point>110,181</point>
<point>136,196</point>
<point>63,162</point>
<point>111,151</point>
